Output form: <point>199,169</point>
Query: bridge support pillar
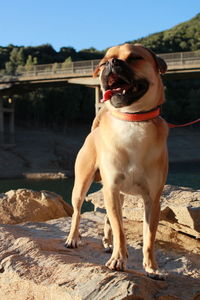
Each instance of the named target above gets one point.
<point>98,96</point>
<point>7,125</point>
<point>12,122</point>
<point>1,122</point>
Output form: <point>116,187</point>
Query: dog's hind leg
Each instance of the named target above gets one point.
<point>84,174</point>
<point>107,239</point>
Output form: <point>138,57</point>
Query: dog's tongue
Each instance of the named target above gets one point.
<point>109,93</point>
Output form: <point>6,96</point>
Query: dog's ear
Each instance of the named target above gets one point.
<point>161,64</point>
<point>96,71</point>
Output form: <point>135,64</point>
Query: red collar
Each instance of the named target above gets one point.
<point>136,117</point>
<point>131,117</point>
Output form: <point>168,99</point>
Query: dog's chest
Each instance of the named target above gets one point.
<point>133,139</point>
<point>130,150</point>
<point>130,134</point>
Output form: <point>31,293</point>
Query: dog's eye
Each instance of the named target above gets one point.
<point>102,64</point>
<point>134,58</point>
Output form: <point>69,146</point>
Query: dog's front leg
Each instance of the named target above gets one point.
<point>84,175</point>
<point>150,224</point>
<point>107,238</point>
<point>113,207</point>
<point>77,201</point>
<point>78,195</point>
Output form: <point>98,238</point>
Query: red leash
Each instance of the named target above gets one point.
<point>182,125</point>
<point>134,117</point>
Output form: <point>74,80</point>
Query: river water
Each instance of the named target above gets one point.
<point>62,187</point>
<point>181,175</point>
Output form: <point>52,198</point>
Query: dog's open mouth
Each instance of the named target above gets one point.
<point>122,92</point>
<point>118,83</point>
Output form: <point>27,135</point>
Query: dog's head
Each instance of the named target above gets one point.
<point>132,74</point>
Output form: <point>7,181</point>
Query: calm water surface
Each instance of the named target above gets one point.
<point>62,187</point>
<point>188,177</point>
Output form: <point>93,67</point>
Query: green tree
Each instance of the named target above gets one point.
<point>16,58</point>
<point>67,63</point>
<point>11,65</point>
<point>20,57</point>
<point>30,62</point>
<point>9,68</point>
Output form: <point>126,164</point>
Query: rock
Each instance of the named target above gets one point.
<point>46,175</point>
<point>17,206</point>
<point>185,219</point>
<point>180,208</point>
<point>34,264</point>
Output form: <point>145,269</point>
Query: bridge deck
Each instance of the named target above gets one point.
<point>180,65</point>
<point>80,72</point>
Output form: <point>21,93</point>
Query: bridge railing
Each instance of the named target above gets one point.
<point>77,67</point>
<point>181,58</point>
<point>174,60</point>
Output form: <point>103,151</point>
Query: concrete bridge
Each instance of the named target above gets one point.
<point>181,65</point>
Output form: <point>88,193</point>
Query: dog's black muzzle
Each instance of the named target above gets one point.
<point>117,76</point>
<point>118,67</point>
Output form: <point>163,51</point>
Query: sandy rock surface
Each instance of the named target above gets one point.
<point>34,264</point>
<point>180,208</point>
<point>23,205</point>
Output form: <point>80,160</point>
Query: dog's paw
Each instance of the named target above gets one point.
<point>152,270</point>
<point>157,274</point>
<point>71,242</point>
<point>116,263</point>
<point>108,248</point>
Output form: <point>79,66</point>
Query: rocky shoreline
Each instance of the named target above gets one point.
<point>43,151</point>
<point>180,208</point>
<point>34,264</point>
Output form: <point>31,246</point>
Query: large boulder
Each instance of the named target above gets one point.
<point>180,208</point>
<point>17,206</point>
<point>34,264</point>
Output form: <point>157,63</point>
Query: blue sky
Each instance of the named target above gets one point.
<point>88,23</point>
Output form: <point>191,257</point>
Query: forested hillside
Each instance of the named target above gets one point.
<point>183,37</point>
<point>60,106</point>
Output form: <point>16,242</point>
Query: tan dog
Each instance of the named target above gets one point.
<point>127,146</point>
